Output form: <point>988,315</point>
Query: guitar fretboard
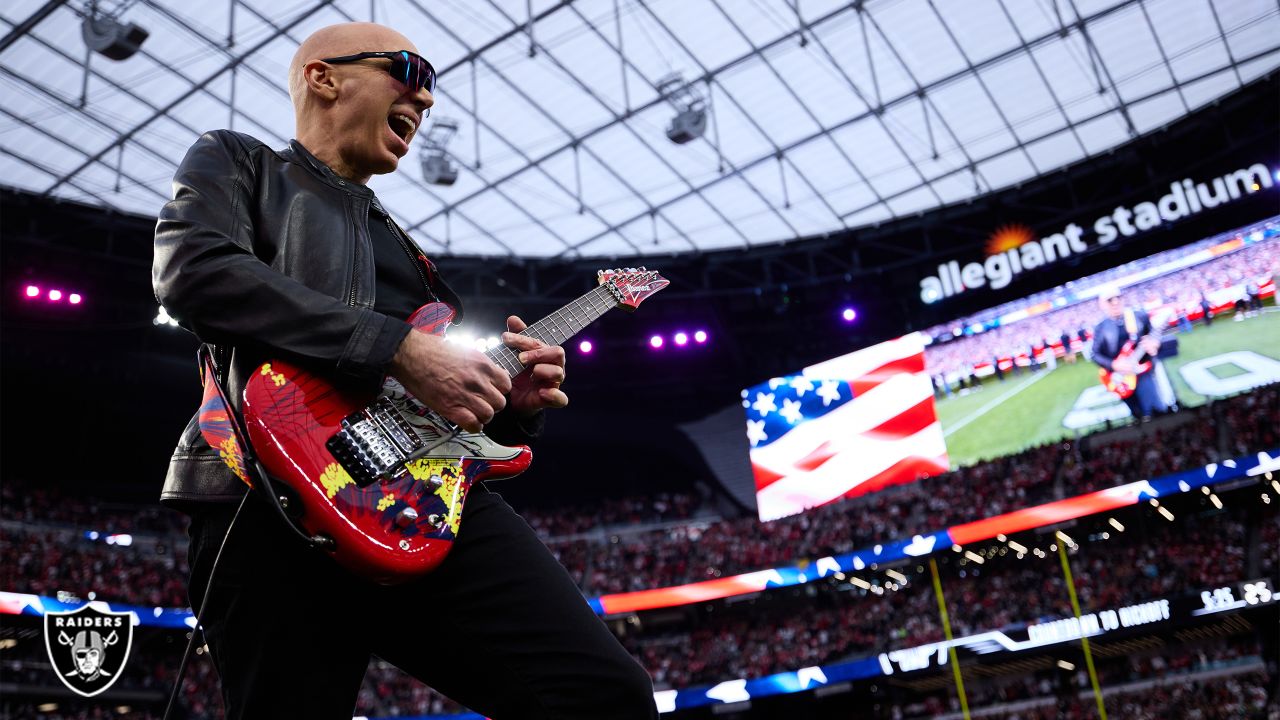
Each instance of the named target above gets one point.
<point>557,327</point>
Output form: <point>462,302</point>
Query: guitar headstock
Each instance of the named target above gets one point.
<point>631,286</point>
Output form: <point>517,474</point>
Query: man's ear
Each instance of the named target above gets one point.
<point>320,79</point>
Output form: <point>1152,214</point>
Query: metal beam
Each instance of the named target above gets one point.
<point>184,96</point>
<point>633,112</point>
<point>904,98</point>
<point>26,26</point>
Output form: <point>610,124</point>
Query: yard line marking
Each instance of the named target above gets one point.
<point>1035,378</point>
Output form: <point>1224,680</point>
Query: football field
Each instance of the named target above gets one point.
<point>1003,417</point>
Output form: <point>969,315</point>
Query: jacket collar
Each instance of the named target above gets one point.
<point>312,163</point>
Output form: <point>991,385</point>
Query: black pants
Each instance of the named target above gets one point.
<point>499,627</point>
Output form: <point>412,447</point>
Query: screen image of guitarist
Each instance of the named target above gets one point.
<point>1126,346</point>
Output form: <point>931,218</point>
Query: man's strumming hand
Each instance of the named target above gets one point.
<point>460,383</point>
<point>538,385</point>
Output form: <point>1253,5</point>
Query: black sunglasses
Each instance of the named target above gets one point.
<point>409,68</point>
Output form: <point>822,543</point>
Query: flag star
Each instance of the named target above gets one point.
<point>791,411</point>
<point>755,432</point>
<point>764,403</point>
<point>801,385</point>
<point>775,382</point>
<point>829,392</point>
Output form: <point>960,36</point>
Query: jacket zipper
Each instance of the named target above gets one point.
<point>355,266</point>
<point>418,259</point>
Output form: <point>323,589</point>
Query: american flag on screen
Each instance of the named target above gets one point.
<point>844,427</point>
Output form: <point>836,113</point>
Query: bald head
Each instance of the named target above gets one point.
<point>336,41</point>
<point>355,116</point>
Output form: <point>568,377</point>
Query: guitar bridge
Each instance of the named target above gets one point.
<point>374,443</point>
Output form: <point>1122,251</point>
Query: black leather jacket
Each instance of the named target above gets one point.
<point>266,253</point>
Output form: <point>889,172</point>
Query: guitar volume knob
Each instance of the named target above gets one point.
<point>435,520</point>
<point>436,482</point>
<point>406,517</point>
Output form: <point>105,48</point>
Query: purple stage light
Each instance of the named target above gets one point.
<point>585,346</point>
<point>33,291</point>
<point>849,314</point>
<point>681,339</point>
<point>55,295</point>
<point>655,342</point>
<point>700,336</point>
<point>74,298</point>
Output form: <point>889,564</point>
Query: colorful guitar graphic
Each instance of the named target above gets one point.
<point>385,478</point>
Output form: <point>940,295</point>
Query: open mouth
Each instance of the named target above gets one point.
<point>403,126</point>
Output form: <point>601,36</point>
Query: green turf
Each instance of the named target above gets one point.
<point>981,425</point>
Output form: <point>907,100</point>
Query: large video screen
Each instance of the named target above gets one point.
<point>1173,330</point>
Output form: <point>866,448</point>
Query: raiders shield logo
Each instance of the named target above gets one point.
<point>88,647</point>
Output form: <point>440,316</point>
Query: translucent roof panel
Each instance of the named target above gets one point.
<point>799,119</point>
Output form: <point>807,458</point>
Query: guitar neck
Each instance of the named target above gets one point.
<point>559,326</point>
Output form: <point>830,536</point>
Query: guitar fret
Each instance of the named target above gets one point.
<point>558,327</point>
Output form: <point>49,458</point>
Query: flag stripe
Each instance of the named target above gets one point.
<point>908,469</point>
<point>909,364</point>
<point>812,445</point>
<point>861,459</point>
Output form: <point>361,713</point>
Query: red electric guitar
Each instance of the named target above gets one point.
<point>1126,384</point>
<point>385,478</point>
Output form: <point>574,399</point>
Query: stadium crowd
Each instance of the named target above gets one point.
<point>1001,593</point>
<point>631,546</point>
<point>1118,673</point>
<point>1239,697</point>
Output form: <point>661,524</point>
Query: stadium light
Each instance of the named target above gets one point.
<point>690,121</point>
<point>585,347</point>
<point>681,339</point>
<point>74,298</point>
<point>655,342</point>
<point>436,167</point>
<point>107,36</point>
<point>33,291</point>
<point>700,336</point>
<point>55,295</point>
<point>849,314</point>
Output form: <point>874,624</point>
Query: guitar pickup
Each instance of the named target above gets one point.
<point>393,426</point>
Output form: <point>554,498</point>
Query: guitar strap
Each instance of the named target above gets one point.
<point>224,429</point>
<point>1131,323</point>
<point>219,425</point>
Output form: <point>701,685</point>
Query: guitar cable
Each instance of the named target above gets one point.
<point>210,367</point>
<point>198,627</point>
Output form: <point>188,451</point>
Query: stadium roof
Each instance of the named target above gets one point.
<point>822,115</point>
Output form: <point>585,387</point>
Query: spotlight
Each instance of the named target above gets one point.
<point>55,295</point>
<point>74,298</point>
<point>849,314</point>
<point>655,342</point>
<point>585,346</point>
<point>33,291</point>
<point>163,318</point>
<point>436,167</point>
<point>110,37</point>
<point>681,339</point>
<point>700,336</point>
<point>690,121</point>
